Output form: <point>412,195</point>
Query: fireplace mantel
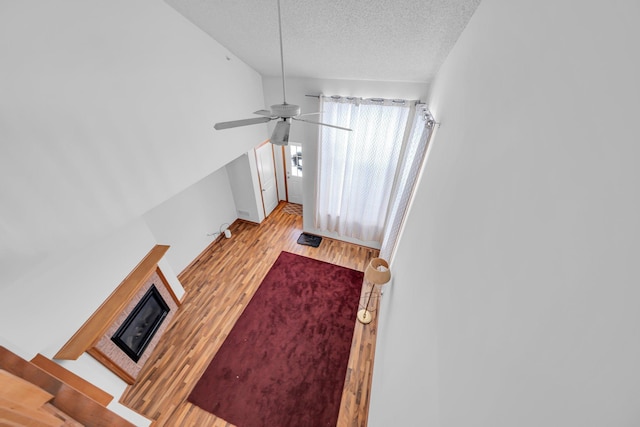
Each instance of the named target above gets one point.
<point>96,326</point>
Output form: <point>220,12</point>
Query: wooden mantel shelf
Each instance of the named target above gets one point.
<point>104,316</point>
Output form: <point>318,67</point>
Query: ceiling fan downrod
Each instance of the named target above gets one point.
<point>284,92</point>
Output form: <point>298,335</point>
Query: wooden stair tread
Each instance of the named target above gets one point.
<point>21,391</point>
<point>22,403</point>
<point>80,384</point>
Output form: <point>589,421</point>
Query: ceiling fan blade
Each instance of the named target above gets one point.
<point>265,113</point>
<point>309,114</point>
<point>321,124</point>
<point>237,123</point>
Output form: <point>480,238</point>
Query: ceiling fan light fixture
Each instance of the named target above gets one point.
<point>280,135</point>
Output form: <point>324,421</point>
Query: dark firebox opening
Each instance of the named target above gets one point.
<point>136,332</point>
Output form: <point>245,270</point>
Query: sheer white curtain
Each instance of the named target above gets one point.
<point>357,170</point>
<point>409,167</point>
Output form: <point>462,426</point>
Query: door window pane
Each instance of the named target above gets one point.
<point>295,153</point>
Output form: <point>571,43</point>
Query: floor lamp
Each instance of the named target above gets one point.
<point>377,273</point>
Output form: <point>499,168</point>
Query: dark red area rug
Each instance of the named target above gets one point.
<point>284,362</point>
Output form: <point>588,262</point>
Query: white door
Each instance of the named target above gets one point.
<point>293,161</point>
<point>267,177</point>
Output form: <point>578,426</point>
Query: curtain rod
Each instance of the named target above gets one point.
<point>417,101</point>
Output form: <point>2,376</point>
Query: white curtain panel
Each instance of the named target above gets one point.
<point>357,170</point>
<point>412,159</point>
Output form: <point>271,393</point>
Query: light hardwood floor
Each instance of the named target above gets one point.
<point>218,286</point>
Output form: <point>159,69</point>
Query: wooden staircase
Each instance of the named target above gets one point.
<point>43,393</point>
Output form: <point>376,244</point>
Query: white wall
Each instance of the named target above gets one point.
<point>107,110</point>
<point>307,134</point>
<point>185,221</point>
<point>515,291</point>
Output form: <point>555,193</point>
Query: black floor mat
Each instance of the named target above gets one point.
<point>309,240</point>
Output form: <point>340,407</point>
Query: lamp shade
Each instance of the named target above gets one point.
<point>377,272</point>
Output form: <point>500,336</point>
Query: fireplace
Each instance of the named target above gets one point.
<point>122,333</point>
<point>136,331</point>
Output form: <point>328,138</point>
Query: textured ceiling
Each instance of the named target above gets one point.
<point>384,40</point>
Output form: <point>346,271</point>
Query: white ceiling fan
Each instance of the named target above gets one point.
<point>285,112</point>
